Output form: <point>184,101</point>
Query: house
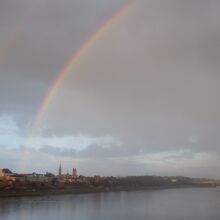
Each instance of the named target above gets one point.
<point>7,172</point>
<point>1,173</point>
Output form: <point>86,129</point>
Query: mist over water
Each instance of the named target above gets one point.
<point>170,204</point>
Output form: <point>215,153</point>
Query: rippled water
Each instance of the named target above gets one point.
<point>170,204</point>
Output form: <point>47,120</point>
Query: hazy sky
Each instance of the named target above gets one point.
<point>144,99</point>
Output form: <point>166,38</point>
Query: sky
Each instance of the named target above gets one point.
<point>142,100</point>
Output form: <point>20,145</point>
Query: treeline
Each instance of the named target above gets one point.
<point>145,181</point>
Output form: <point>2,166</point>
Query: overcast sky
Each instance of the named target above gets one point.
<point>144,99</point>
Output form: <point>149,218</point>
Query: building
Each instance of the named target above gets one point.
<point>96,179</point>
<point>173,180</point>
<point>50,176</point>
<point>7,175</point>
<point>34,177</point>
<point>1,173</point>
<point>7,172</point>
<point>60,170</point>
<point>20,177</point>
<point>6,178</point>
<point>74,173</point>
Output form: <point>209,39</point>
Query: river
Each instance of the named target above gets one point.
<point>166,204</point>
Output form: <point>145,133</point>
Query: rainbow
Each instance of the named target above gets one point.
<point>74,59</point>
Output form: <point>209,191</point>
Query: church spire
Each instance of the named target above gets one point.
<point>60,170</point>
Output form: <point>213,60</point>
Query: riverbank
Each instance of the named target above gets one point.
<point>50,192</point>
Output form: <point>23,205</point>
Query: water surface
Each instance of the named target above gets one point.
<point>169,204</point>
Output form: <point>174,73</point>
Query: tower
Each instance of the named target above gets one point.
<point>74,173</point>
<point>60,170</point>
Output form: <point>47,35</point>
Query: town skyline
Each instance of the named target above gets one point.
<point>30,184</point>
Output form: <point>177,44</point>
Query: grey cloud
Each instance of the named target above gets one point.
<point>37,40</point>
<point>182,155</point>
<point>152,79</point>
<point>93,151</point>
<point>58,151</point>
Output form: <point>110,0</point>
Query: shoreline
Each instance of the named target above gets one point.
<point>54,192</point>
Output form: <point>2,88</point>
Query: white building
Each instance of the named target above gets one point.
<point>34,177</point>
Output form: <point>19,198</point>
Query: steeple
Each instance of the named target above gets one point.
<point>60,170</point>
